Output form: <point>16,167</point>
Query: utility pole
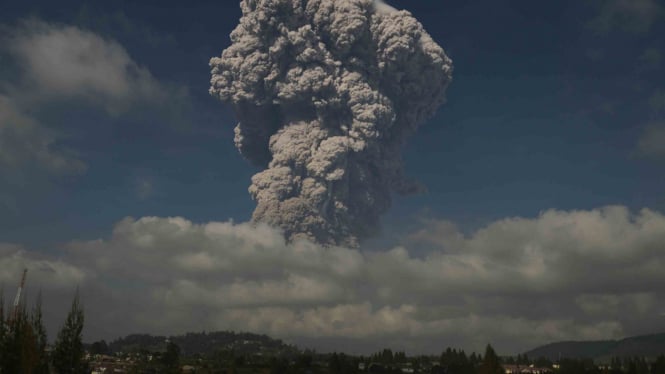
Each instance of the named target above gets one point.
<point>17,299</point>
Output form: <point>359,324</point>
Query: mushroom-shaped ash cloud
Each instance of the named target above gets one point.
<point>326,93</point>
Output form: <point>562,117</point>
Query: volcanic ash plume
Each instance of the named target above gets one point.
<point>326,92</point>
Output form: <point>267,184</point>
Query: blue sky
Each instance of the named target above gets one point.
<point>545,111</point>
<point>554,105</point>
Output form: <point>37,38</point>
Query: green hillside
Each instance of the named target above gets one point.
<point>643,346</point>
<point>203,343</point>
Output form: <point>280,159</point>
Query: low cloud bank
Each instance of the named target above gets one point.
<point>517,282</point>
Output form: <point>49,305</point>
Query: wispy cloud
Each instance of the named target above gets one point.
<point>144,187</point>
<point>66,61</point>
<point>652,140</point>
<point>634,16</point>
<point>25,143</point>
<point>61,64</point>
<point>651,59</point>
<point>657,102</point>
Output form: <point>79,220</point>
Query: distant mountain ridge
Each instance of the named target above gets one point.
<point>602,350</point>
<point>202,343</point>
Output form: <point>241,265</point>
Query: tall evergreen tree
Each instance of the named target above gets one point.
<point>28,344</point>
<point>334,363</point>
<point>10,344</point>
<point>474,359</point>
<point>19,344</point>
<point>491,364</point>
<point>40,337</point>
<point>22,340</point>
<point>171,358</point>
<point>68,348</point>
<point>3,327</point>
<point>659,365</point>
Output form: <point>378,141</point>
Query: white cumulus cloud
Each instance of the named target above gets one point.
<point>517,282</point>
<point>64,64</point>
<point>66,61</point>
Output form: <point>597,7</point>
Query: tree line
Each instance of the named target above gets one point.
<point>24,345</point>
<point>24,349</point>
<point>451,361</point>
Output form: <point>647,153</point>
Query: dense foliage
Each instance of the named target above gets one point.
<point>644,346</point>
<point>201,343</point>
<point>23,342</point>
<point>68,353</point>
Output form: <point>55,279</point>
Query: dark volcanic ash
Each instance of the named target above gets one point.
<point>326,93</point>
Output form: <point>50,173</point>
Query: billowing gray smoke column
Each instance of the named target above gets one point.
<point>326,92</point>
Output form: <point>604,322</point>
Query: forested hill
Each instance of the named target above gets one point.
<point>641,346</point>
<point>202,343</point>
